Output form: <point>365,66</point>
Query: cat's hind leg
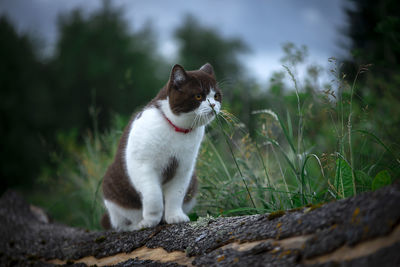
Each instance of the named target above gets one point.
<point>123,219</point>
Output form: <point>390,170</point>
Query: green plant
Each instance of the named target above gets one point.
<point>72,193</point>
<point>279,167</point>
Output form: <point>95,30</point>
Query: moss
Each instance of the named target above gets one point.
<point>316,206</point>
<point>202,221</point>
<point>311,207</point>
<point>188,250</point>
<point>285,253</point>
<point>356,212</point>
<point>275,250</point>
<point>296,209</point>
<point>366,229</point>
<point>355,217</point>
<point>276,214</point>
<point>100,239</point>
<point>221,258</point>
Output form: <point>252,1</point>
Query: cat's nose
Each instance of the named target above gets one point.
<point>212,105</point>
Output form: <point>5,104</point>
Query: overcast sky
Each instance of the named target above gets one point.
<point>263,25</point>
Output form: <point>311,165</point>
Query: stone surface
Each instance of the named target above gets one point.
<point>359,231</point>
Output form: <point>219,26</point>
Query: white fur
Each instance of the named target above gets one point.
<point>151,143</point>
<point>122,219</point>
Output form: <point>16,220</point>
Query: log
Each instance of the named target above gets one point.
<point>358,231</point>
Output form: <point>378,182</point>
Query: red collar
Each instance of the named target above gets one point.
<point>177,129</point>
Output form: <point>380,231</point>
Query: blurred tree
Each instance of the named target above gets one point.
<point>23,109</point>
<point>375,38</point>
<point>199,45</point>
<point>101,65</point>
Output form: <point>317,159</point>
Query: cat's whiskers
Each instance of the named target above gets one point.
<point>196,118</point>
<point>203,119</point>
<point>224,82</point>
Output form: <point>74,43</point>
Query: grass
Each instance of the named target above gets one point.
<point>315,150</point>
<point>280,168</point>
<point>72,194</point>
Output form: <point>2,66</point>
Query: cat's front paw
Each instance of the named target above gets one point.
<point>176,218</point>
<point>146,224</point>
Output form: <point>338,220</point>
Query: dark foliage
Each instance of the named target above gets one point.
<point>24,109</point>
<point>99,68</point>
<point>374,31</point>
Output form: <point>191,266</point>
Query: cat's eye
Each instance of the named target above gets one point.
<point>217,96</point>
<point>198,97</point>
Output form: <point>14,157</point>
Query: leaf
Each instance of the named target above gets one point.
<point>193,216</point>
<point>344,180</point>
<point>363,181</point>
<point>296,200</point>
<point>287,135</point>
<point>381,179</point>
<point>289,121</point>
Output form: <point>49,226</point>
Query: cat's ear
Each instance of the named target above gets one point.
<point>178,75</point>
<point>207,68</point>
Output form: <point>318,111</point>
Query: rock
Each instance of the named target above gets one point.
<point>359,231</point>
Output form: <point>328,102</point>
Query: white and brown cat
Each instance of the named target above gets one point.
<point>153,176</point>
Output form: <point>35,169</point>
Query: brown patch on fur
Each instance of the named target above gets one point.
<point>192,189</point>
<point>169,172</point>
<point>182,94</point>
<point>116,185</point>
<point>105,222</point>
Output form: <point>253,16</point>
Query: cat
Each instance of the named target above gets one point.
<point>153,175</point>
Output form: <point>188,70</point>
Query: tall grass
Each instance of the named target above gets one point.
<point>282,168</point>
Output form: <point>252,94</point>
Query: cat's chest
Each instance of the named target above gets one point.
<point>152,137</point>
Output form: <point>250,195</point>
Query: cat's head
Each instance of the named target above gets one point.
<point>194,94</point>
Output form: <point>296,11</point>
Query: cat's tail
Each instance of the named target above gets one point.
<point>105,221</point>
